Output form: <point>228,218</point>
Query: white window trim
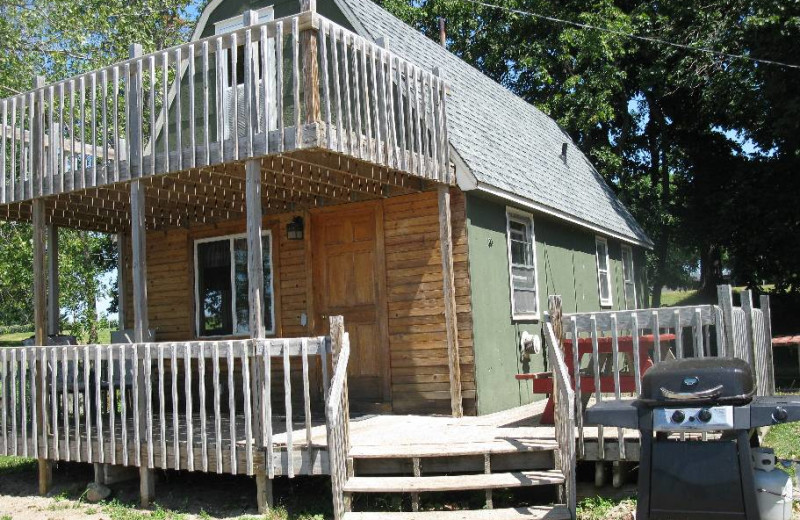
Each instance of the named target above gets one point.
<point>230,239</point>
<point>626,249</point>
<point>265,14</point>
<point>512,213</point>
<point>608,302</point>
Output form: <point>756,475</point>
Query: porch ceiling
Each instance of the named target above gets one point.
<point>294,181</point>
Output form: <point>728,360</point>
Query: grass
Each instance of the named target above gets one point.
<point>785,440</point>
<point>681,297</point>
<point>600,508</point>
<point>16,339</point>
<point>11,465</point>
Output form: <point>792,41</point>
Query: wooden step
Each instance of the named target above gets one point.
<point>452,482</point>
<point>558,512</point>
<point>407,451</point>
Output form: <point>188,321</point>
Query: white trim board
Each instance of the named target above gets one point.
<point>196,281</point>
<point>529,204</point>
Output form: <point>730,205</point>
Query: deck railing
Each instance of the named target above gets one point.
<point>565,417</point>
<point>658,334</point>
<point>204,406</point>
<point>338,421</point>
<point>193,105</point>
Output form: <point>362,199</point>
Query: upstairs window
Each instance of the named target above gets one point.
<point>628,277</point>
<point>603,273</point>
<point>522,265</point>
<point>222,286</point>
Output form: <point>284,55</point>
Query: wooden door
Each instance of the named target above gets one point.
<point>350,280</point>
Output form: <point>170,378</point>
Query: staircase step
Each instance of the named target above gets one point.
<point>558,512</point>
<point>405,451</point>
<point>452,482</point>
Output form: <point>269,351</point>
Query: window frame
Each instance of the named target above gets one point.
<point>522,217</point>
<point>608,302</point>
<point>234,23</point>
<point>628,250</point>
<point>197,308</point>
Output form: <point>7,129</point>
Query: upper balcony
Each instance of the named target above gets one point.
<point>331,116</point>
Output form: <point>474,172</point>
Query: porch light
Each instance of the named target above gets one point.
<point>294,229</point>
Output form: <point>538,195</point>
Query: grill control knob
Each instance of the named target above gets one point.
<point>704,415</point>
<point>780,414</point>
<point>678,416</point>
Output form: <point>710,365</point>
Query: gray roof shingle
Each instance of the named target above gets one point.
<point>511,147</point>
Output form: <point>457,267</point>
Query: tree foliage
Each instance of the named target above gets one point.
<point>58,39</point>
<point>703,148</point>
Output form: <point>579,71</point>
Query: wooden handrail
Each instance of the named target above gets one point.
<point>126,113</point>
<point>338,418</point>
<point>80,380</point>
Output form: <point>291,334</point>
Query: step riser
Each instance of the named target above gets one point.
<point>453,482</point>
<point>471,464</point>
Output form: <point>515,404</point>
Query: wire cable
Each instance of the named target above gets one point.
<point>649,39</point>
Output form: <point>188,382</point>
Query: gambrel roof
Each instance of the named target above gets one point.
<point>509,147</point>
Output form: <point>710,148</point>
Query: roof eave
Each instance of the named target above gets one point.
<point>561,215</point>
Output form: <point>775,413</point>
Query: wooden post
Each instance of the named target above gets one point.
<point>765,309</point>
<point>53,311</point>
<point>750,342</point>
<point>725,302</point>
<point>134,128</point>
<point>449,295</point>
<point>140,328</point>
<point>40,290</point>
<point>308,43</point>
<point>123,243</point>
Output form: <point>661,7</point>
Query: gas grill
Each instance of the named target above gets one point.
<point>695,417</point>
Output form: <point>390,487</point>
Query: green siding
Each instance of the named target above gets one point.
<point>566,266</point>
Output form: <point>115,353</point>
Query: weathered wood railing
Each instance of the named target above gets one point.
<point>670,332</point>
<point>205,406</point>
<point>186,107</point>
<point>338,422</point>
<point>564,417</point>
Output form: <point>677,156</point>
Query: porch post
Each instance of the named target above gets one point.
<point>40,289</point>
<point>255,295</point>
<point>122,282</point>
<point>141,324</point>
<point>53,311</point>
<point>449,295</point>
<point>308,42</point>
<point>140,327</point>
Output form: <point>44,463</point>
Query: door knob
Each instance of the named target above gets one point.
<point>324,316</point>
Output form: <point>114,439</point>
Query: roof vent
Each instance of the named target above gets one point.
<point>564,150</point>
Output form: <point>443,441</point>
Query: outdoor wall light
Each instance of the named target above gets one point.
<point>294,229</point>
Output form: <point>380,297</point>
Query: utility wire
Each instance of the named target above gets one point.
<point>650,39</point>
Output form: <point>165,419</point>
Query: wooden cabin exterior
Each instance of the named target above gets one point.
<point>319,213</point>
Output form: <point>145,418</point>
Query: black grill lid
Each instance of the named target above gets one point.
<point>698,382</point>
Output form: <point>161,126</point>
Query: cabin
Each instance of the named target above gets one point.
<point>321,214</point>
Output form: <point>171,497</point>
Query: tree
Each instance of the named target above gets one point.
<point>686,138</point>
<point>58,39</point>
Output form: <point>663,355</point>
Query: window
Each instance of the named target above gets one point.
<point>522,265</point>
<point>603,275</point>
<point>221,286</point>
<point>628,277</point>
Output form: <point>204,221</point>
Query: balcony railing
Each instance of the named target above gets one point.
<point>268,88</point>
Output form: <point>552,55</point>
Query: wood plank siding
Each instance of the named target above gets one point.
<point>419,380</point>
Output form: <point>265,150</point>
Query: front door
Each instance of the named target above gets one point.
<point>349,280</point>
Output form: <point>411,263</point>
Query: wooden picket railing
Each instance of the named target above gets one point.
<point>673,332</point>
<point>185,107</point>
<point>338,423</point>
<point>197,406</point>
<point>565,418</point>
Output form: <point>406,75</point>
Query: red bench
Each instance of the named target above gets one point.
<point>543,381</point>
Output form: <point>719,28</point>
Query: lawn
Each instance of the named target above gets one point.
<point>180,496</point>
<point>16,339</point>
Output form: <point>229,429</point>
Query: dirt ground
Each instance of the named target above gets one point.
<point>179,496</point>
